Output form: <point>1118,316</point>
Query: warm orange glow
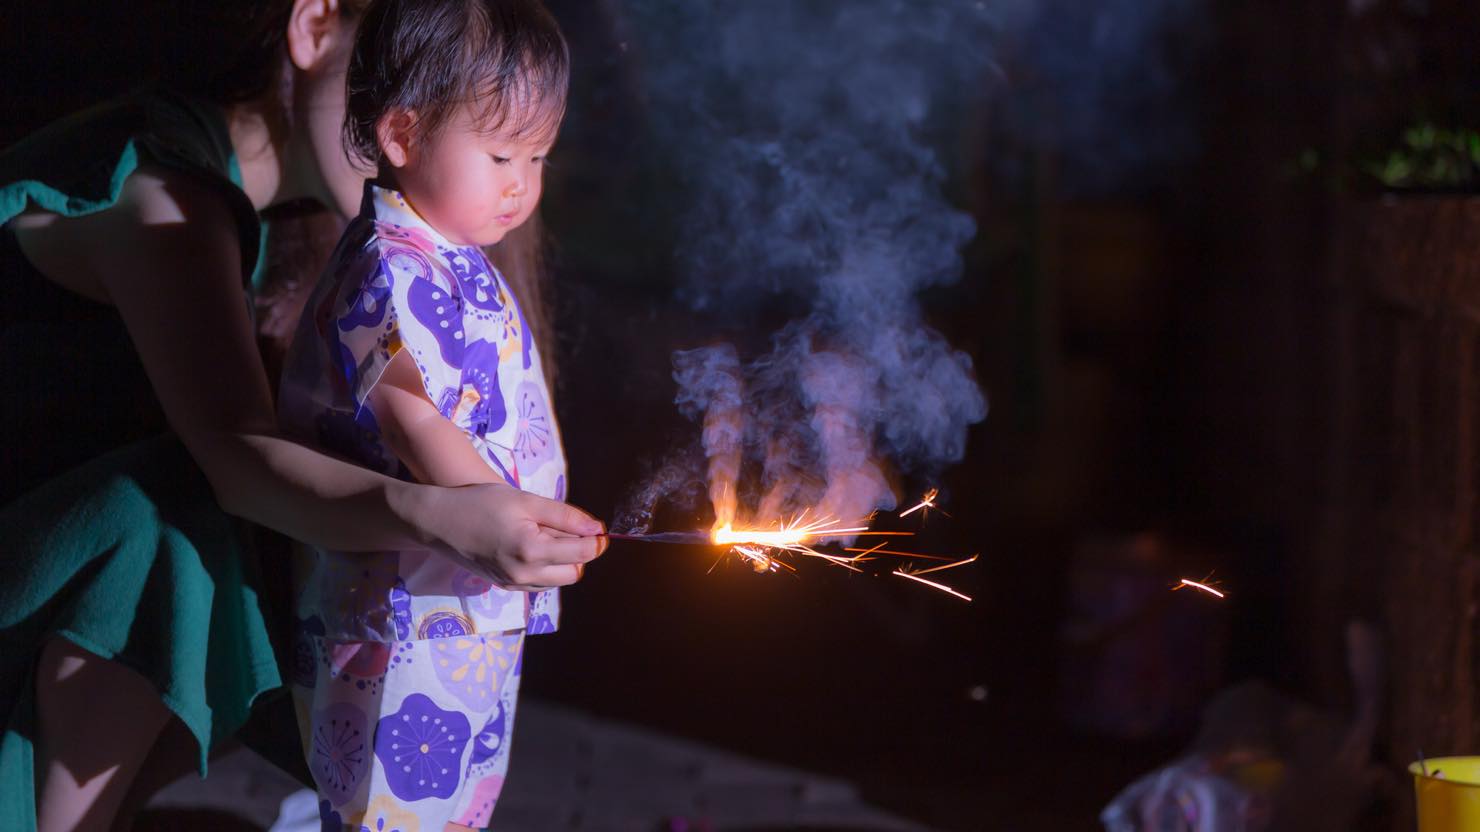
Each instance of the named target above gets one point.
<point>726,535</point>
<point>761,548</point>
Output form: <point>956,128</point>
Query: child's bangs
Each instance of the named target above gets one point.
<point>528,109</point>
<point>519,83</point>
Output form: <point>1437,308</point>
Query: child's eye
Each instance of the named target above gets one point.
<point>500,160</point>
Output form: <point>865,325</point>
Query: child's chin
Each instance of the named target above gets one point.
<point>494,236</point>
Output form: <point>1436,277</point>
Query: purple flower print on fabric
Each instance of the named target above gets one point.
<point>490,739</point>
<point>444,624</point>
<point>560,488</point>
<point>528,338</point>
<point>491,454</point>
<point>368,303</point>
<point>339,752</point>
<point>405,235</point>
<point>540,620</point>
<point>340,356</point>
<point>473,668</point>
<point>534,435</point>
<point>415,264</point>
<point>475,276</point>
<point>305,650</point>
<point>480,373</point>
<point>420,748</point>
<point>329,820</point>
<point>401,609</point>
<point>441,314</point>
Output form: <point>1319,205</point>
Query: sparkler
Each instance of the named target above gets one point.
<point>689,538</point>
<point>760,548</point>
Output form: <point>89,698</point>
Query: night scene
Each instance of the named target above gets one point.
<point>740,416</point>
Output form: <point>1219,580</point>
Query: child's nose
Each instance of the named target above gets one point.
<point>515,187</point>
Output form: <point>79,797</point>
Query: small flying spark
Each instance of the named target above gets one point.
<point>1198,585</point>
<point>926,502</point>
<point>942,587</point>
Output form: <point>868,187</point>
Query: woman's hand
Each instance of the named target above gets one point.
<point>518,540</point>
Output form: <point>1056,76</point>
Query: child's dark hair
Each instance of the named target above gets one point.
<point>432,56</point>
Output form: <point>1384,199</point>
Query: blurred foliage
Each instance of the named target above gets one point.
<point>1425,158</point>
<point>1430,158</point>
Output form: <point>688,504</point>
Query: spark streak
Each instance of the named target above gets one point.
<point>941,587</point>
<point>1199,585</point>
<point>971,559</point>
<point>926,501</point>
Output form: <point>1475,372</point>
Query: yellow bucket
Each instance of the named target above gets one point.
<point>1449,795</point>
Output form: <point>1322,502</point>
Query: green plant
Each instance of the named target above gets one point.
<point>1430,157</point>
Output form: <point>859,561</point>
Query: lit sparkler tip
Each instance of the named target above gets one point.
<point>1199,585</point>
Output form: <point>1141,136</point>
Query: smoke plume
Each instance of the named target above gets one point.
<point>805,138</point>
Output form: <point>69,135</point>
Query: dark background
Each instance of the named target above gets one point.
<point>1239,356</point>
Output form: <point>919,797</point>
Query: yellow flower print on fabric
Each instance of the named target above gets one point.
<point>474,668</point>
<point>384,814</point>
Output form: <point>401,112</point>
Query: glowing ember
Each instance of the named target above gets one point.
<point>1198,585</point>
<point>784,538</point>
<point>758,558</point>
<point>927,501</point>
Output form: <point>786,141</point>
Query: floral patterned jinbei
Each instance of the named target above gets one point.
<point>406,667</point>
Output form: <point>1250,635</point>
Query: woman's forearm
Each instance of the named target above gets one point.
<point>316,498</point>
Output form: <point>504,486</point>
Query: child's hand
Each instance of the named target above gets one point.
<point>518,540</point>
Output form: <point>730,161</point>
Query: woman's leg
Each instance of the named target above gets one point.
<point>175,755</point>
<point>97,722</point>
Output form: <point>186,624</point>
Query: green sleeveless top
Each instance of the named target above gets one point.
<point>112,538</point>
<point>78,165</point>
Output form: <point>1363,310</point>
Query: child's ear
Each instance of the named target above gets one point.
<point>394,131</point>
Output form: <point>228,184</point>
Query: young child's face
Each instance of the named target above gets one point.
<point>471,186</point>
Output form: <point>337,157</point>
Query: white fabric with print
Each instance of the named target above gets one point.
<point>396,284</point>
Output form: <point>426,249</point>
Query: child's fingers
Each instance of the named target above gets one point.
<point>562,517</point>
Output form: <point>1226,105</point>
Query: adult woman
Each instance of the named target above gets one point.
<point>128,236</point>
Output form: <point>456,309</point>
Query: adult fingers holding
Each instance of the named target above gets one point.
<point>561,518</point>
<point>547,577</point>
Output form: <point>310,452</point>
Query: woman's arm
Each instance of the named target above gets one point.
<point>167,257</point>
<point>438,452</point>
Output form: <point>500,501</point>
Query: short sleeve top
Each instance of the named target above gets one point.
<point>394,283</point>
<point>76,387</point>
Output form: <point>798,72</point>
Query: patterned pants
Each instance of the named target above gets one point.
<point>408,735</point>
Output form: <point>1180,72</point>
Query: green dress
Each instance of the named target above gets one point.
<point>109,534</point>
